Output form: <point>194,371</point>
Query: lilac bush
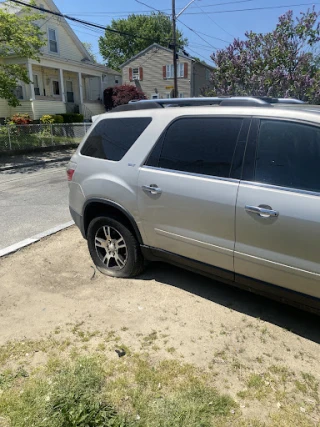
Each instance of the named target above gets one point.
<point>281,63</point>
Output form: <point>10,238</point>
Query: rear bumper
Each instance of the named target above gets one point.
<point>78,219</point>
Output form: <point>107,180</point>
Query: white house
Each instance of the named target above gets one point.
<point>66,79</point>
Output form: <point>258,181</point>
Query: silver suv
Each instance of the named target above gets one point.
<point>227,187</point>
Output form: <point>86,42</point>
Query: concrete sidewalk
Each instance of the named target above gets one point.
<point>36,158</point>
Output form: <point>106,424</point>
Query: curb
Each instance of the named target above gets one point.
<point>35,163</point>
<point>17,246</point>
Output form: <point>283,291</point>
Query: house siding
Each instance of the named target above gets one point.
<point>67,48</point>
<point>93,108</point>
<point>200,81</point>
<point>48,107</point>
<point>152,63</point>
<point>7,111</point>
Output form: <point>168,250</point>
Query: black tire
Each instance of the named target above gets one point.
<point>132,253</point>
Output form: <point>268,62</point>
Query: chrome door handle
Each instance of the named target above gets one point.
<point>263,212</point>
<point>153,189</point>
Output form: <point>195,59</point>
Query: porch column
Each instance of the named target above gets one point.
<point>30,75</point>
<point>80,88</point>
<point>62,85</point>
<point>32,94</point>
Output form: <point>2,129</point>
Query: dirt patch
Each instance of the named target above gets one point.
<point>258,351</point>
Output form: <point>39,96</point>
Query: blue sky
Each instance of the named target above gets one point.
<point>221,27</point>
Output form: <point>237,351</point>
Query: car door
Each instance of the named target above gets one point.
<point>188,188</point>
<point>278,207</point>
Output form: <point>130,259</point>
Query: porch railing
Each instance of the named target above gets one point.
<point>19,137</point>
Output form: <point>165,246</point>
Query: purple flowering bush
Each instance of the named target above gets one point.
<point>282,63</point>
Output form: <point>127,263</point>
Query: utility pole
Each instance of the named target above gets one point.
<point>174,25</point>
<point>175,74</point>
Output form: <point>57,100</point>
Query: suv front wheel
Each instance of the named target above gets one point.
<point>113,248</point>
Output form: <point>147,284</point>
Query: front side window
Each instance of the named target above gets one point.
<point>110,139</point>
<point>180,71</point>
<point>18,92</point>
<point>203,145</point>
<point>36,84</point>
<point>135,74</point>
<point>170,71</point>
<point>288,155</point>
<point>55,87</point>
<point>53,44</point>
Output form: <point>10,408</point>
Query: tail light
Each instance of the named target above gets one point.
<point>70,173</point>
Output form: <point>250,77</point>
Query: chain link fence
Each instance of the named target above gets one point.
<point>19,137</point>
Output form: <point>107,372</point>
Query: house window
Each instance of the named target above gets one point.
<point>208,74</point>
<point>170,71</point>
<point>180,70</point>
<point>18,92</point>
<point>55,87</point>
<point>135,74</point>
<point>70,94</point>
<point>36,85</point>
<point>53,44</point>
<point>181,95</point>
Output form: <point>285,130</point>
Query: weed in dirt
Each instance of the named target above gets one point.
<point>101,346</point>
<point>171,350</point>
<point>148,340</point>
<point>124,328</point>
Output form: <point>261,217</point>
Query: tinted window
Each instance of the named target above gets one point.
<point>199,145</point>
<point>112,138</point>
<point>288,155</point>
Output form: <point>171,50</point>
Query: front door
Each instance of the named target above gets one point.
<point>278,207</point>
<point>187,195</point>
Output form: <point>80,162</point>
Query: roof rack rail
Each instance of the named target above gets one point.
<point>281,100</point>
<point>191,102</point>
<point>231,101</point>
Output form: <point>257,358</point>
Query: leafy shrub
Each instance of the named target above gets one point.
<point>21,119</point>
<point>119,95</point>
<point>47,119</point>
<point>58,118</point>
<point>72,117</point>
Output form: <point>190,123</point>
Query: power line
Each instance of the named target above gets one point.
<point>253,8</point>
<point>198,54</point>
<point>150,7</point>
<point>212,37</point>
<point>91,24</point>
<point>215,23</point>
<point>195,32</point>
<point>126,12</point>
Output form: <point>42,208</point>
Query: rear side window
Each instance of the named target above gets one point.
<point>203,145</point>
<point>112,138</point>
<point>288,155</point>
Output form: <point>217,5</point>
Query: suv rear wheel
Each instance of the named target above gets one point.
<point>113,248</point>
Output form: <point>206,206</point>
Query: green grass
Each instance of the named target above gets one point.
<point>92,391</point>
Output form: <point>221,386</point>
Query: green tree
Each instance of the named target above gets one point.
<point>142,31</point>
<point>88,47</point>
<point>277,64</point>
<point>19,37</point>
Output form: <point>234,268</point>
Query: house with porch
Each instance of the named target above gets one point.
<point>151,70</point>
<point>66,79</point>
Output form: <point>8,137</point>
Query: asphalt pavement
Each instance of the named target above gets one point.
<point>32,200</point>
